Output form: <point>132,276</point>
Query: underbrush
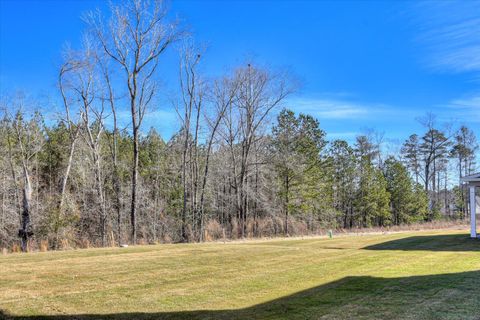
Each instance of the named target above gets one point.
<point>271,227</point>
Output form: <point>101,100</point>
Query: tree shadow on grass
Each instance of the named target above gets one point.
<point>444,296</point>
<point>450,242</point>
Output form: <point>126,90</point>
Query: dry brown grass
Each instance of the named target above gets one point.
<point>266,228</point>
<point>43,245</point>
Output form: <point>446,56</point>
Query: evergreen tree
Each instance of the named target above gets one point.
<point>400,187</point>
<point>463,150</point>
<point>372,200</point>
<point>342,158</point>
<point>419,207</point>
<point>411,153</point>
<point>297,143</point>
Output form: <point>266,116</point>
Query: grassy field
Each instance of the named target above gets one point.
<point>415,275</point>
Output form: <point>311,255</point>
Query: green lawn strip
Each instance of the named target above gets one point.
<point>276,279</point>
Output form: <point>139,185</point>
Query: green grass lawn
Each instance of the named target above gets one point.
<point>414,275</point>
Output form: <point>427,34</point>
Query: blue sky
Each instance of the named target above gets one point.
<point>364,65</point>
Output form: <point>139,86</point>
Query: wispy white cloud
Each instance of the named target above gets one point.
<point>450,30</point>
<point>334,108</point>
<point>472,103</point>
<point>466,108</point>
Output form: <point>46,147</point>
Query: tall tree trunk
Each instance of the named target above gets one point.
<point>287,200</point>
<point>460,187</point>
<point>2,221</point>
<point>25,232</point>
<point>447,208</point>
<point>255,213</point>
<point>114,155</point>
<point>14,177</point>
<point>133,208</point>
<point>184,186</point>
<point>116,175</point>
<point>204,181</point>
<point>103,211</point>
<point>66,175</point>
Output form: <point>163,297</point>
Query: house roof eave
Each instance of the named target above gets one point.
<point>472,178</point>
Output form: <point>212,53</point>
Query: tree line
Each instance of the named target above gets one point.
<point>90,177</point>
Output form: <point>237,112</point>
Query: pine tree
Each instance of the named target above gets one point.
<point>297,143</point>
<point>343,162</point>
<point>434,148</point>
<point>411,153</point>
<point>419,208</point>
<point>372,199</point>
<point>463,150</point>
<point>400,187</point>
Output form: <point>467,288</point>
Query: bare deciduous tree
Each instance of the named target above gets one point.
<point>28,143</point>
<point>135,37</point>
<point>258,92</point>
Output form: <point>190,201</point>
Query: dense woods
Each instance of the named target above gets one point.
<point>243,164</point>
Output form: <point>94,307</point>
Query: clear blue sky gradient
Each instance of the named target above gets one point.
<point>377,65</point>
